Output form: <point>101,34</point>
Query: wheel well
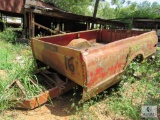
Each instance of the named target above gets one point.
<point>138,58</point>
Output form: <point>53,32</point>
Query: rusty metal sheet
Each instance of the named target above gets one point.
<point>89,35</point>
<point>15,6</point>
<point>43,97</point>
<point>114,35</point>
<point>100,65</point>
<point>109,61</point>
<point>65,60</point>
<point>55,86</point>
<point>62,40</point>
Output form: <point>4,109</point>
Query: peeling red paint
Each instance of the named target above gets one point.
<point>100,74</point>
<point>98,70</point>
<point>99,65</point>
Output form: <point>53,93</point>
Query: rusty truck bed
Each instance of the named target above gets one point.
<point>94,59</point>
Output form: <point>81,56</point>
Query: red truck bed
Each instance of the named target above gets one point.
<point>94,59</point>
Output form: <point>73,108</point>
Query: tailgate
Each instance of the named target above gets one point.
<point>62,59</point>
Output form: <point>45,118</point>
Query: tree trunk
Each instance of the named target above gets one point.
<point>95,11</point>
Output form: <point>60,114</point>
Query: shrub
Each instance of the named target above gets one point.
<point>8,35</point>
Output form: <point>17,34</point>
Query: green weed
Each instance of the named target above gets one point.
<point>8,35</point>
<point>16,62</point>
<point>135,91</point>
<point>138,86</point>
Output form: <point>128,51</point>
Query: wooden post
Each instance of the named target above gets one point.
<point>103,26</point>
<point>100,26</point>
<point>92,26</point>
<point>25,25</point>
<point>88,25</point>
<point>29,15</point>
<point>31,25</point>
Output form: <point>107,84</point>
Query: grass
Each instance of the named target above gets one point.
<point>125,100</point>
<point>16,63</point>
<point>8,35</point>
<point>121,102</point>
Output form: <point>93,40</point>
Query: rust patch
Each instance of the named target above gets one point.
<point>103,61</point>
<point>51,47</point>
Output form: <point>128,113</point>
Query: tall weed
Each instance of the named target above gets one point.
<point>17,62</point>
<point>8,35</point>
<point>139,86</point>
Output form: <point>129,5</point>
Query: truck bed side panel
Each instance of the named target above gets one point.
<point>65,39</point>
<point>109,36</point>
<point>106,62</point>
<point>64,60</point>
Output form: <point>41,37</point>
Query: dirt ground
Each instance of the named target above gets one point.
<point>58,109</point>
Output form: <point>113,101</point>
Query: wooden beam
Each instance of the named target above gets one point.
<point>75,18</point>
<point>25,25</point>
<point>46,28</point>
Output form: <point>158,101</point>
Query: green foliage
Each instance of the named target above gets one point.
<point>74,6</point>
<point>127,11</point>
<point>142,10</point>
<point>147,10</point>
<point>139,86</point>
<point>122,9</point>
<point>8,35</point>
<point>105,11</point>
<point>136,90</point>
<point>118,3</point>
<point>17,63</point>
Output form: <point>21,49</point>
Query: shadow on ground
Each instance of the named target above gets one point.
<point>62,105</point>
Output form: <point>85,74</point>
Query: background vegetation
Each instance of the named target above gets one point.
<point>117,8</point>
<point>123,101</point>
<point>16,63</point>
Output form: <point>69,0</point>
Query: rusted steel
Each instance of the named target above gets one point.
<point>94,59</point>
<point>44,97</point>
<point>53,90</point>
<point>50,79</point>
<point>19,85</point>
<point>15,6</point>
